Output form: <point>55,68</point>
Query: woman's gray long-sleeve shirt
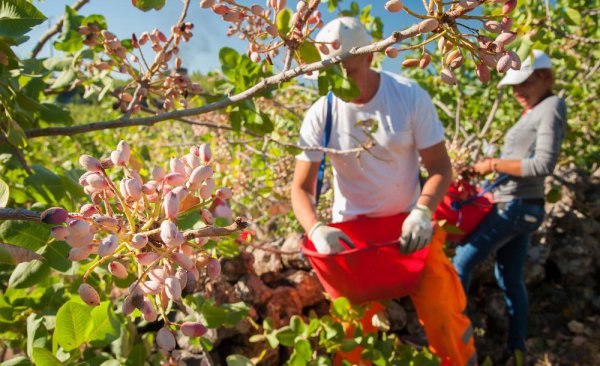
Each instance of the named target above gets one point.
<point>535,140</point>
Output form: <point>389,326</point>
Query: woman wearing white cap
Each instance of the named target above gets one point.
<point>530,151</point>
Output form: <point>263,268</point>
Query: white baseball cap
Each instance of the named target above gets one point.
<point>348,31</point>
<point>540,61</point>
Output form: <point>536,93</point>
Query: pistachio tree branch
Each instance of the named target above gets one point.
<point>57,27</point>
<point>271,81</point>
<point>238,224</point>
<point>19,214</point>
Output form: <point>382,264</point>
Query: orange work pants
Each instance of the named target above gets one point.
<point>440,303</point>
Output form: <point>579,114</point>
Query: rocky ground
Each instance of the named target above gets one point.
<point>563,277</point>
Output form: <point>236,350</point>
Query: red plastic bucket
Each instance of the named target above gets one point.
<point>371,271</point>
<point>467,217</point>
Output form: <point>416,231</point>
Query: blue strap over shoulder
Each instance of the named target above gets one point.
<point>326,137</point>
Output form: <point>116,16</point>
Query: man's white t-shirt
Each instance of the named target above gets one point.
<point>384,180</point>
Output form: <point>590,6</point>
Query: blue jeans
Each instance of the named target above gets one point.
<point>506,231</point>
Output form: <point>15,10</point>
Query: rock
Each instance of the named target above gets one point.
<point>308,286</point>
<point>285,302</point>
<point>294,261</point>
<point>265,261</point>
<point>397,316</point>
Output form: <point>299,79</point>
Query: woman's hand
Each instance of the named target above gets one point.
<point>484,167</point>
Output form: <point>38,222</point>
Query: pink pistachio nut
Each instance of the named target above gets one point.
<point>171,205</point>
<point>515,60</point>
<point>493,26</point>
<point>108,245</point>
<point>90,163</point>
<point>151,287</point>
<point>192,160</point>
<point>393,6</point>
<point>106,222</point>
<point>428,25</point>
<point>78,228</point>
<point>59,232</point>
<point>507,23</point>
<point>224,211</point>
<point>392,52</point>
<point>489,60</point>
<point>118,158</point>
<point>187,250</point>
<point>207,4</point>
<point>157,274</point>
<point>89,295</point>
<point>165,340</point>
<point>505,38</point>
<point>207,217</point>
<point>118,270</point>
<point>181,275</point>
<point>213,268</point>
<point>88,210</point>
<point>148,311</point>
<point>139,241</point>
<point>124,147</point>
<point>133,189</point>
<point>204,153</point>
<point>173,288</point>
<point>177,166</point>
<point>193,329</point>
<point>504,63</point>
<point>54,215</point>
<point>182,260</point>
<point>483,73</point>
<point>207,188</point>
<point>150,188</point>
<point>168,230</point>
<point>509,6</point>
<point>191,281</point>
<point>175,179</point>
<point>180,192</point>
<point>147,258</point>
<point>79,241</point>
<point>257,10</point>
<point>127,307</point>
<point>200,174</point>
<point>447,76</point>
<point>158,174</point>
<point>136,295</point>
<point>81,253</point>
<point>97,181</point>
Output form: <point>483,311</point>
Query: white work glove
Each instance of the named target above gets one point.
<point>327,239</point>
<point>416,230</point>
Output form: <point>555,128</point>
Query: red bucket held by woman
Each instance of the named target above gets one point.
<point>464,206</point>
<point>375,269</point>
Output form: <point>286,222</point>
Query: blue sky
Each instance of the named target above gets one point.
<point>201,53</point>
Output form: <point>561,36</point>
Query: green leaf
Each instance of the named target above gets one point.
<point>341,308</point>
<point>105,325</point>
<point>3,193</point>
<point>52,113</point>
<point>56,254</point>
<point>17,361</point>
<point>24,234</point>
<point>43,357</point>
<point>573,16</point>
<point>286,336</point>
<point>64,79</point>
<point>16,135</point>
<point>284,20</point>
<point>12,254</point>
<point>18,17</point>
<point>73,325</point>
<point>146,5</point>
<point>33,324</point>
<point>137,356</point>
<point>335,79</point>
<point>226,314</point>
<point>238,360</point>
<point>45,185</point>
<point>70,39</point>
<point>28,274</point>
<point>309,53</point>
<point>303,349</point>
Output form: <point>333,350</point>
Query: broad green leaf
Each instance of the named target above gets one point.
<point>111,362</point>
<point>573,16</point>
<point>284,19</point>
<point>56,254</point>
<point>64,79</point>
<point>52,113</point>
<point>4,192</point>
<point>341,308</point>
<point>43,357</point>
<point>137,356</point>
<point>286,336</point>
<point>11,254</point>
<point>46,185</point>
<point>303,349</point>
<point>309,53</point>
<point>73,325</point>
<point>106,325</point>
<point>18,17</point>
<point>238,360</point>
<point>17,361</point>
<point>24,234</point>
<point>33,324</point>
<point>28,274</point>
<point>16,135</point>
<point>226,314</point>
<point>334,79</point>
<point>58,63</point>
<point>146,5</point>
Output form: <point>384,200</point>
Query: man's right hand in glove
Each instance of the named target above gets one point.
<point>327,239</point>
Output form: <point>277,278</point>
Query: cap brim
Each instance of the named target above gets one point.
<point>514,77</point>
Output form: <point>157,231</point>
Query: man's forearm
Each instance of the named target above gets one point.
<point>434,190</point>
<point>304,208</point>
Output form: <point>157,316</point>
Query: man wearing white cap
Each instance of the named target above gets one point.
<point>384,181</point>
<point>530,151</point>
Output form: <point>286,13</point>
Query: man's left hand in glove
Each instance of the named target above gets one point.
<point>416,230</point>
